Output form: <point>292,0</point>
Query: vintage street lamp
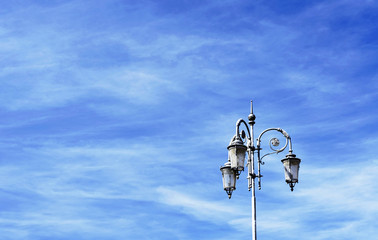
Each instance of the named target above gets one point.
<point>236,156</point>
<point>229,178</point>
<point>291,165</point>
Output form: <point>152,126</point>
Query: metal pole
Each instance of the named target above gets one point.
<point>252,175</point>
<point>254,231</point>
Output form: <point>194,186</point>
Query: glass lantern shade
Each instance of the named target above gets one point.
<point>236,154</point>
<point>229,178</point>
<point>291,166</point>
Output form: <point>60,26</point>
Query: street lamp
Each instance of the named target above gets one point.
<point>236,156</point>
<point>229,178</point>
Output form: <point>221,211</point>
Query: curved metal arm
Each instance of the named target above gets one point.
<point>288,140</point>
<point>240,121</point>
<point>286,135</point>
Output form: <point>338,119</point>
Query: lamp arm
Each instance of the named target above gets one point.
<point>284,133</point>
<point>260,162</point>
<point>238,123</point>
<point>251,149</point>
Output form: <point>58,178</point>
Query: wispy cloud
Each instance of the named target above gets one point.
<point>116,115</point>
<point>217,212</point>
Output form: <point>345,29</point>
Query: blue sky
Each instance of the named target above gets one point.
<point>116,115</point>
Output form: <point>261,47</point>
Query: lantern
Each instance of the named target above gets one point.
<point>236,154</point>
<point>291,166</point>
<point>229,178</point>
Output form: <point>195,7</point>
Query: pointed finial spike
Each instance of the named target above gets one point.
<point>251,116</point>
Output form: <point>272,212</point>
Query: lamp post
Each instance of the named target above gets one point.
<point>236,157</point>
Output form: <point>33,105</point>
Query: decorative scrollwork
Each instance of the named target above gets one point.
<point>273,142</point>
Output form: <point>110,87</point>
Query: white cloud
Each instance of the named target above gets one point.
<point>50,178</point>
<point>214,211</point>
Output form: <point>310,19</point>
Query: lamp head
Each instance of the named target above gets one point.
<point>236,154</point>
<point>229,178</point>
<point>291,166</point>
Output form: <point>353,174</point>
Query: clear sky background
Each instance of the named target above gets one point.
<point>115,117</point>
